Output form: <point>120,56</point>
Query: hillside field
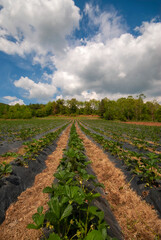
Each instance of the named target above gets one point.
<point>81,178</point>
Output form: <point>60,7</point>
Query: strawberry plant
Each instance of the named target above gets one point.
<point>71,214</point>
<point>32,148</point>
<point>10,154</point>
<point>24,129</point>
<point>144,165</point>
<point>142,137</point>
<point>5,169</point>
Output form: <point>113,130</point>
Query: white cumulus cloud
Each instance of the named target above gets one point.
<point>10,98</point>
<point>13,100</point>
<point>109,62</point>
<point>107,24</point>
<point>40,91</point>
<point>124,65</point>
<point>40,26</point>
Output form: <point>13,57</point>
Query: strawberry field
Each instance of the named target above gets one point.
<point>139,147</point>
<point>80,203</point>
<point>14,132</point>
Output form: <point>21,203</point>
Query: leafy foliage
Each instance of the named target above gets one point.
<point>24,129</point>
<point>71,215</point>
<point>32,149</point>
<point>123,109</point>
<point>113,137</point>
<point>5,169</point>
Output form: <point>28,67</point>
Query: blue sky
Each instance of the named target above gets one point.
<point>55,49</point>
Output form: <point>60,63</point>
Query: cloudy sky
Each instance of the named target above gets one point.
<point>51,49</point>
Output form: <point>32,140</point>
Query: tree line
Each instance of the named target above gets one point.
<point>124,109</point>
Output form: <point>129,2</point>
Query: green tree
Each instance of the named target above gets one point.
<point>158,114</point>
<point>72,105</point>
<point>94,105</point>
<point>151,109</point>
<point>34,108</point>
<point>87,108</point>
<point>102,106</point>
<point>4,108</point>
<point>110,110</point>
<point>139,105</point>
<point>40,112</point>
<point>48,108</point>
<point>60,107</point>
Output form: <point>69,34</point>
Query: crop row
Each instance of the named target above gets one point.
<point>143,137</point>
<point>147,166</point>
<point>140,147</point>
<point>136,145</point>
<point>70,214</point>
<point>23,129</point>
<point>32,149</point>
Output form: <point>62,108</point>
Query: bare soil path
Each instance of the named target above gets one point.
<point>19,214</point>
<point>136,218</point>
<point>158,124</point>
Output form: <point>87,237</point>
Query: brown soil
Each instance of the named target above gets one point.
<point>89,116</point>
<point>19,214</point>
<point>6,159</point>
<point>158,124</point>
<point>137,219</point>
<point>21,151</point>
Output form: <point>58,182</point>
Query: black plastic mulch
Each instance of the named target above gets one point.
<point>151,195</point>
<point>21,178</point>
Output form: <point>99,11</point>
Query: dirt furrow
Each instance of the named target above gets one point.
<point>137,218</point>
<point>19,214</point>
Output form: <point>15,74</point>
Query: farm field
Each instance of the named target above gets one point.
<point>14,132</point>
<point>112,179</point>
<point>146,123</point>
<point>21,136</point>
<point>138,146</point>
<point>80,120</point>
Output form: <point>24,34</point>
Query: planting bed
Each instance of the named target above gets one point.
<point>19,214</point>
<point>139,148</point>
<point>74,205</point>
<point>24,172</point>
<point>147,183</point>
<point>145,123</point>
<point>14,133</point>
<point>76,201</point>
<point>137,219</point>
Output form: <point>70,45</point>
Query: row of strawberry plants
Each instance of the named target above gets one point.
<point>126,133</point>
<point>5,169</point>
<point>143,132</point>
<point>118,134</point>
<point>145,166</point>
<point>32,150</point>
<point>70,214</point>
<point>23,129</point>
<point>140,145</point>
